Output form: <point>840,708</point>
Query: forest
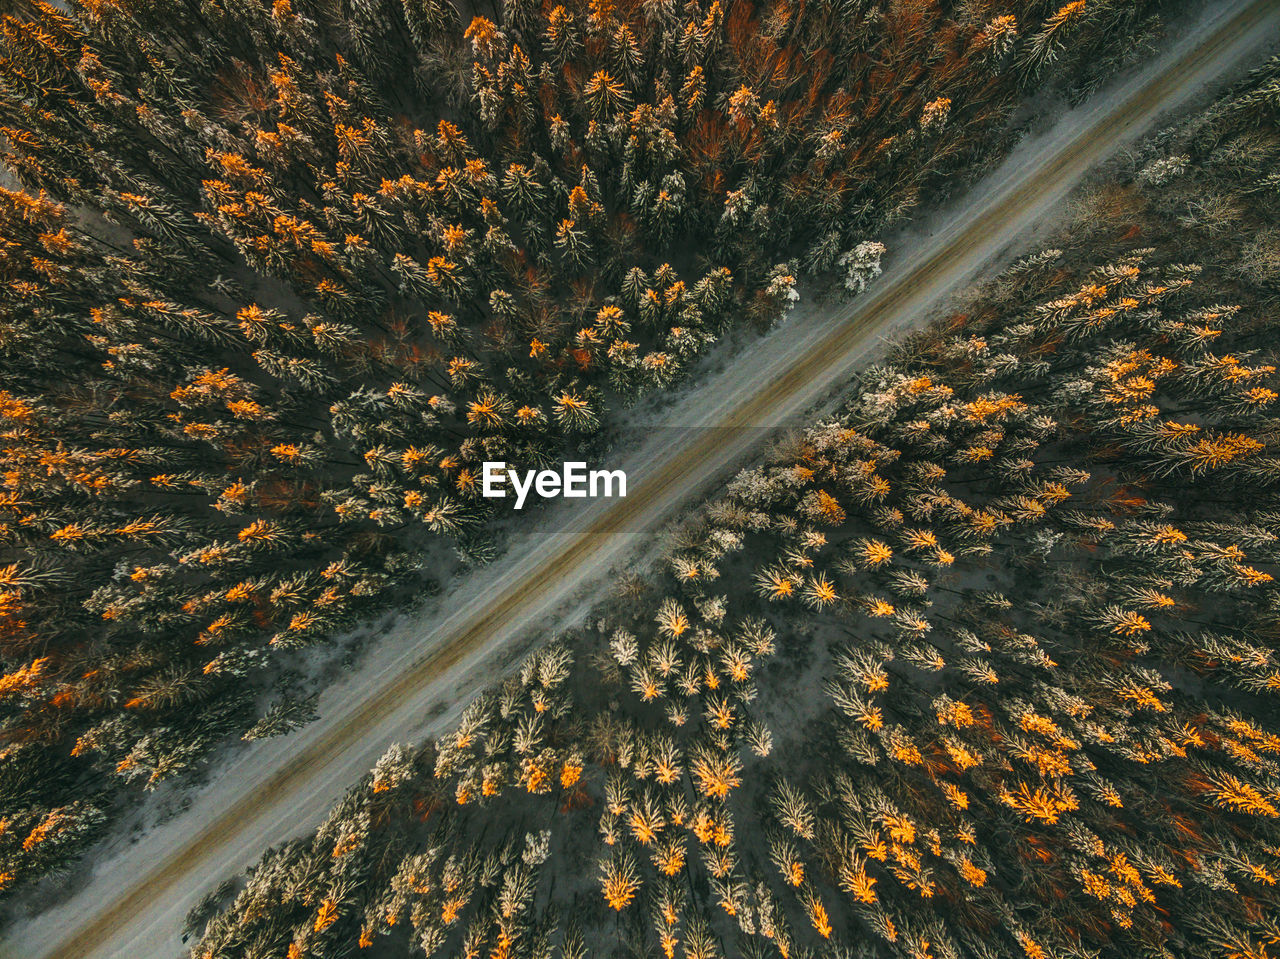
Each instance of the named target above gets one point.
<point>275,278</point>
<point>982,666</point>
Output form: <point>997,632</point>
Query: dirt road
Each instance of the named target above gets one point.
<point>133,904</point>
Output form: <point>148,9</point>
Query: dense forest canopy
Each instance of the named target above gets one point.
<point>984,666</point>
<point>276,277</point>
